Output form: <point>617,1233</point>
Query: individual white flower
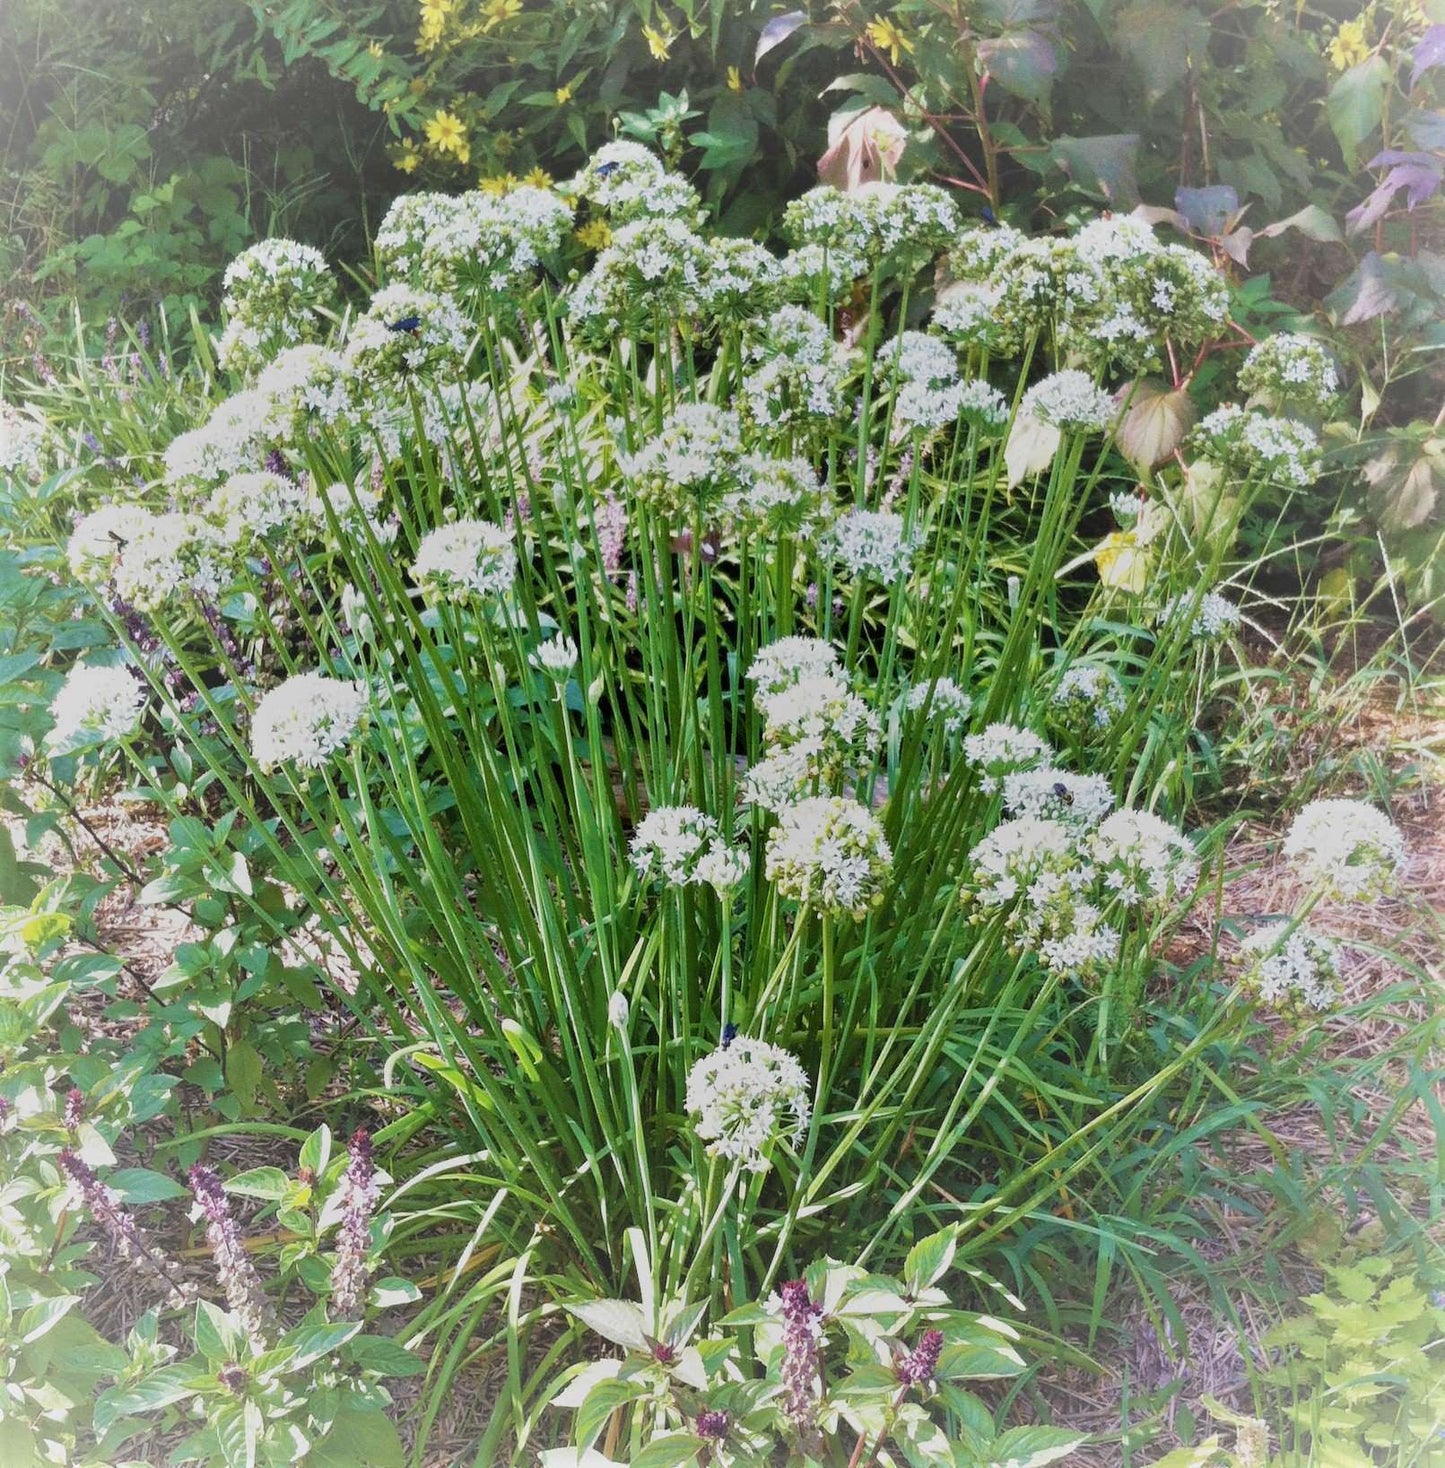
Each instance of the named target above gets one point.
<point>1000,749</point>
<point>780,664</point>
<point>98,538</point>
<point>1290,966</point>
<point>1144,860</point>
<point>1058,795</point>
<point>466,558</point>
<point>557,657</point>
<point>306,720</point>
<point>1347,849</point>
<point>873,544</point>
<point>669,841</point>
<point>947,704</point>
<point>1069,400</point>
<point>831,854</point>
<point>746,1095</point>
<point>619,1011</point>
<point>95,706</point>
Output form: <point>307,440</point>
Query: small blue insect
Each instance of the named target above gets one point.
<point>606,170</point>
<point>730,1033</point>
<point>989,217</point>
<point>407,323</point>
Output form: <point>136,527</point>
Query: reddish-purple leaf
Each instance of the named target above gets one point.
<point>1429,52</point>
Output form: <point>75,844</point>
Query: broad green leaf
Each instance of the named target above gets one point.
<point>260,1182</point>
<point>1160,37</point>
<point>619,1321</point>
<point>244,1072</point>
<point>41,1317</point>
<point>1103,165</point>
<point>929,1259</point>
<point>1032,1447</point>
<point>142,1185</point>
<point>1355,104</point>
<point>669,1451</point>
<point>308,1343</point>
<point>360,1436</point>
<point>385,1357</point>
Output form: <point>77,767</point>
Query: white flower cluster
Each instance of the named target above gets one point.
<point>1256,445</point>
<point>689,465</point>
<point>796,370</point>
<point>964,312</point>
<point>1005,749</point>
<point>830,854</point>
<point>95,706</point>
<point>407,330</point>
<point>743,280</point>
<point>1053,880</point>
<point>1069,400</point>
<point>98,539</point>
<point>168,554</point>
<point>1289,370</point>
<point>556,657</point>
<point>1290,967</point>
<point>1145,862</point>
<point>777,498</point>
<point>747,1095</point>
<point>679,844</point>
<point>902,224</point>
<point>630,183</point>
<point>256,504</point>
<point>497,242</point>
<point>306,720</point>
<point>465,559</point>
<point>1058,795</point>
<point>873,545</point>
<point>929,392</point>
<point>789,660</point>
<point>654,273</point>
<point>1033,874</point>
<point>22,443</point>
<point>1214,615</point>
<point>1087,696</point>
<point>275,295</point>
<point>944,701</point>
<point>1347,849</point>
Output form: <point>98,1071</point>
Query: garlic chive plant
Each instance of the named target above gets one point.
<point>694,701</point>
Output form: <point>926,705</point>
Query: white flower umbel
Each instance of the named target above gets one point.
<point>669,842</point>
<point>1253,445</point>
<point>689,464</point>
<point>468,558</point>
<point>745,1096</point>
<point>1290,370</point>
<point>1346,849</point>
<point>98,539</point>
<point>170,553</point>
<point>406,330</point>
<point>1291,969</point>
<point>258,504</point>
<point>722,867</point>
<point>946,703</point>
<point>873,545</point>
<point>1058,795</point>
<point>789,660</point>
<point>777,497</point>
<point>1069,400</point>
<point>22,443</point>
<point>795,370</point>
<point>1087,696</point>
<point>1001,749</point>
<point>1145,862</point>
<point>1215,616</point>
<point>557,657</point>
<point>306,720</point>
<point>830,854</point>
<point>95,706</point>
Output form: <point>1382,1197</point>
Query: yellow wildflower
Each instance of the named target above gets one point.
<point>498,12</point>
<point>659,42</point>
<point>376,49</point>
<point>888,36</point>
<point>735,79</point>
<point>538,178</point>
<point>563,96</point>
<point>1349,46</point>
<point>1122,562</point>
<point>498,183</point>
<point>595,234</point>
<point>409,158</point>
<point>446,134</point>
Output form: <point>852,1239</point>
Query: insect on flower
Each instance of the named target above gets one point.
<point>606,170</point>
<point>729,1034</point>
<point>410,324</point>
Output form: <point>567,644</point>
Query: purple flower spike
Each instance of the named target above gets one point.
<point>359,1193</point>
<point>237,1274</point>
<point>918,1366</point>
